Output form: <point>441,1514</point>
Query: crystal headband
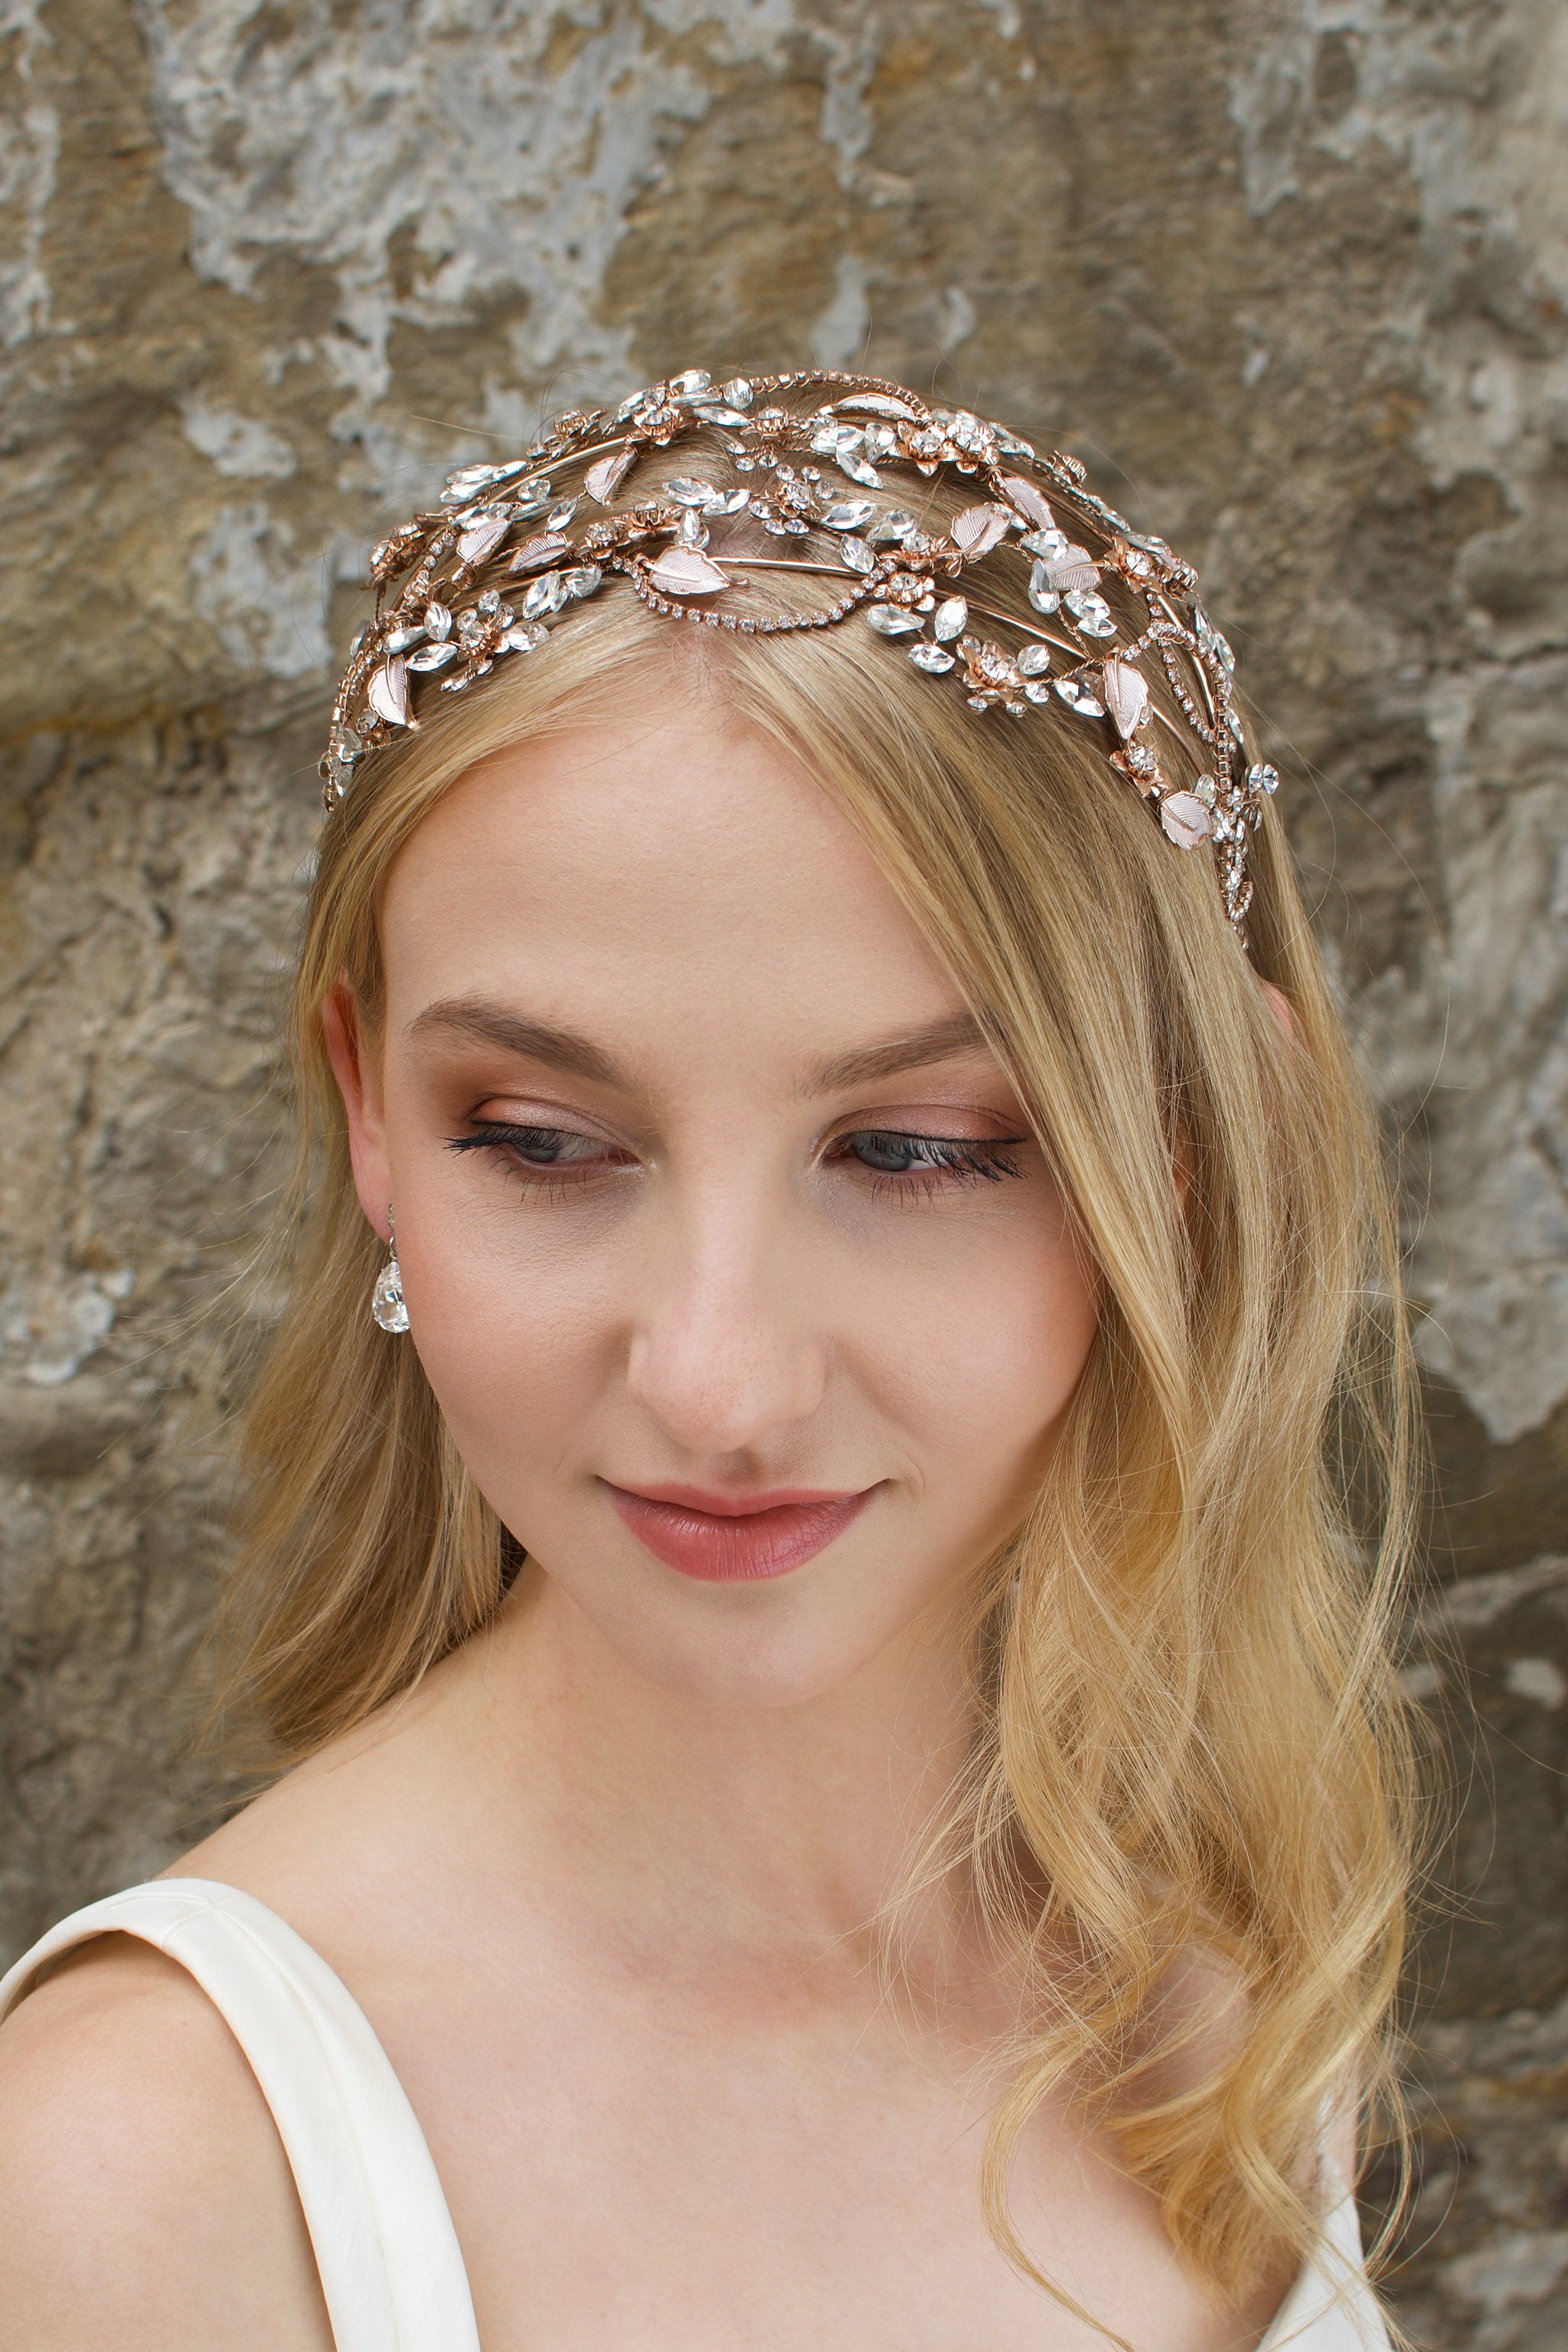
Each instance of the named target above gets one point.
<point>512,547</point>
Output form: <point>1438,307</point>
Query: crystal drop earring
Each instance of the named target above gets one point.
<point>386,1300</point>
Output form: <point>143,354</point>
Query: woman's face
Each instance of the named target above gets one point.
<point>748,1298</point>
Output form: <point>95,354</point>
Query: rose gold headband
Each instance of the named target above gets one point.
<point>510,550</point>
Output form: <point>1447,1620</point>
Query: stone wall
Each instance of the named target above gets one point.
<point>1291,273</point>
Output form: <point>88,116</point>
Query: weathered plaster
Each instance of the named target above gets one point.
<point>1294,274</point>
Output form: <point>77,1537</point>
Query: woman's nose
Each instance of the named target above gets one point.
<point>726,1351</point>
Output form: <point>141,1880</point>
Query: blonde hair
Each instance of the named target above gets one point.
<point>1189,1736</point>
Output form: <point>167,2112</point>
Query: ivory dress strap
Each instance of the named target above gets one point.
<point>392,2272</point>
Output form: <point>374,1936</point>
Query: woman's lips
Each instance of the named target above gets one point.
<point>732,1540</point>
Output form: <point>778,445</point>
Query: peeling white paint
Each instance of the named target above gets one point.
<point>1537,1678</point>
<point>432,155</point>
<point>956,321</point>
<point>240,445</point>
<point>1477,1602</point>
<point>30,165</point>
<point>58,1325</point>
<point>838,338</point>
<point>267,608</point>
<point>1510,2267</point>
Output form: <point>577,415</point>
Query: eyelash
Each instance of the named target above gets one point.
<point>944,1159</point>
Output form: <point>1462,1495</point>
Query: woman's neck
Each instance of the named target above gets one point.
<point>766,1828</point>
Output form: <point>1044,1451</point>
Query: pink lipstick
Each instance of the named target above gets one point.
<point>735,1538</point>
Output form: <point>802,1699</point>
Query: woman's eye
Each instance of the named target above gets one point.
<point>889,1152</point>
<point>551,1150</point>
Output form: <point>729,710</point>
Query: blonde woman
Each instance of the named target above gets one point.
<point>838,1779</point>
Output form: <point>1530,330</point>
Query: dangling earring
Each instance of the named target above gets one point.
<point>386,1302</point>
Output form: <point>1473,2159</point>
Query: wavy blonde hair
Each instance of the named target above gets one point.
<point>1188,1730</point>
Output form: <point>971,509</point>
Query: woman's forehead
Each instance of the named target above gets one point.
<point>686,853</point>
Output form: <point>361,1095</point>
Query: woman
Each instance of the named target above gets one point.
<point>845,1782</point>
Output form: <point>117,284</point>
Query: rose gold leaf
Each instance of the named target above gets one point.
<point>534,554</point>
<point>603,480</point>
<point>686,571</point>
<point>474,545</point>
<point>1185,820</point>
<point>387,693</point>
<point>1126,695</point>
<point>978,530</point>
<point>1074,568</point>
<point>1027,500</point>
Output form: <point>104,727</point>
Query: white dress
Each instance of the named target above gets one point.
<point>392,2272</point>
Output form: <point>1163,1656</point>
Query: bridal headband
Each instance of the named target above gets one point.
<point>689,486</point>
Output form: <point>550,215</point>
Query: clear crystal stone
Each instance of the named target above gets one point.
<point>543,595</point>
<point>691,383</point>
<point>848,514</point>
<point>1047,545</point>
<point>1209,638</point>
<point>386,1302</point>
<point>738,392</point>
<point>894,525</point>
<point>1042,595</point>
<point>687,491</point>
<point>951,619</point>
<point>468,481</point>
<point>1205,790</point>
<point>581,580</point>
<point>435,656</point>
<point>489,602</point>
<point>859,556</point>
<point>691,529</point>
<point>859,469</point>
<point>1039,690</point>
<point>1034,661</point>
<point>831,437</point>
<point>891,619</point>
<point>525,638</point>
<point>1262,778</point>
<point>929,656</point>
<point>437,622</point>
<point>1010,444</point>
<point>345,745</point>
<point>719,415</point>
<point>1233,720</point>
<point>1077,697</point>
<point>399,640</point>
<point>727,502</point>
<point>1091,612</point>
<point>559,516</point>
<point>632,402</point>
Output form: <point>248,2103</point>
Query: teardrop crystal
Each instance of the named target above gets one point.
<point>387,1300</point>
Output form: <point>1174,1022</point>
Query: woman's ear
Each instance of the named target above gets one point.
<point>356,1066</point>
<point>1279,1006</point>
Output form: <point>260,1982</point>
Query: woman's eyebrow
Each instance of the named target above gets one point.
<point>565,1049</point>
<point>540,1041</point>
<point>959,1033</point>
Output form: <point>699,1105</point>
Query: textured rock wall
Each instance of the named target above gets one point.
<point>1292,271</point>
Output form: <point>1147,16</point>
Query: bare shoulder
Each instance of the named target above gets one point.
<point>145,2200</point>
